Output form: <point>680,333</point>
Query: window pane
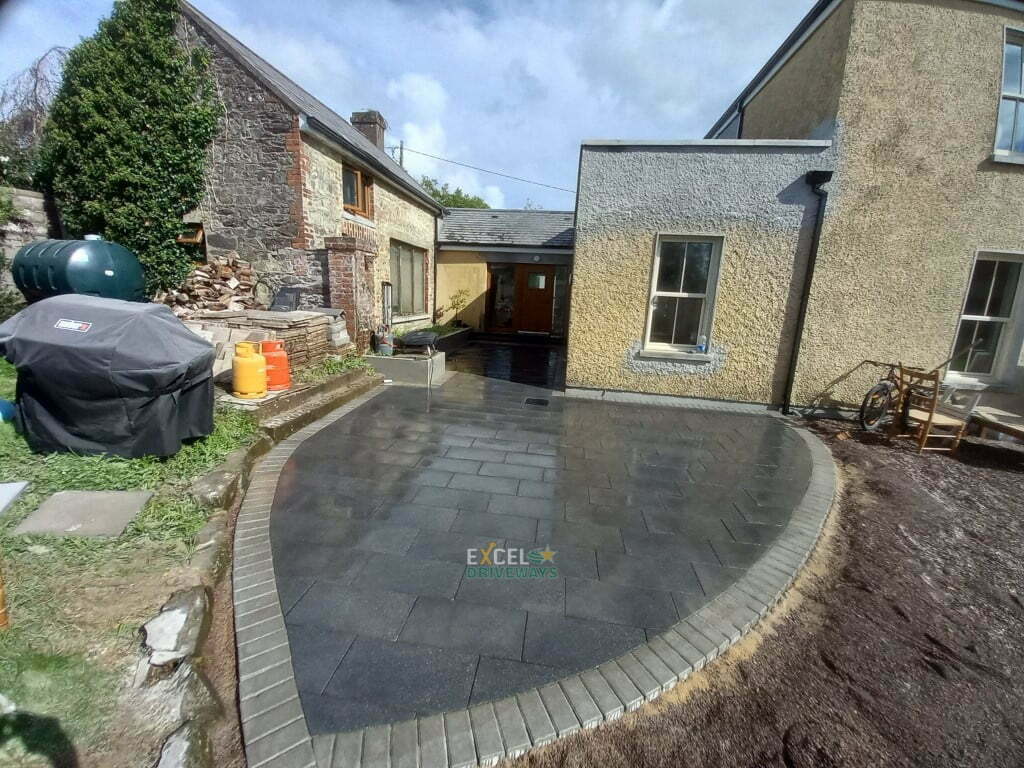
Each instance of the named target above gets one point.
<point>395,300</point>
<point>1018,129</point>
<point>349,187</point>
<point>1004,289</point>
<point>1011,68</point>
<point>1004,128</point>
<point>663,319</point>
<point>676,320</point>
<point>698,261</point>
<point>687,321</point>
<point>982,357</point>
<point>405,282</point>
<point>417,282</point>
<point>670,273</point>
<point>537,281</point>
<point>981,282</point>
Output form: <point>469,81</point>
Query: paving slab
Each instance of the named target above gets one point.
<point>651,512</point>
<point>85,513</point>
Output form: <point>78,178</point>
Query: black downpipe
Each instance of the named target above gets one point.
<point>816,179</point>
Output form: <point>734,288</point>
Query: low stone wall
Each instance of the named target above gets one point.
<point>33,220</point>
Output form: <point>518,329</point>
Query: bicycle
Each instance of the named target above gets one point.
<point>887,395</point>
<point>882,398</point>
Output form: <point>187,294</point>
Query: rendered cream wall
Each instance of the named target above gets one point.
<point>395,216</point>
<point>916,193</point>
<point>802,99</point>
<point>755,197</point>
<point>458,270</point>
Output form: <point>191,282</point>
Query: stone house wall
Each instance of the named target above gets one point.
<point>755,198</point>
<point>252,206</point>
<point>393,217</point>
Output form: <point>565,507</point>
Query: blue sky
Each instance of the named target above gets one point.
<point>510,85</point>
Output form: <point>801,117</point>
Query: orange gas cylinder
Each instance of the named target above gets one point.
<point>249,371</point>
<point>279,375</point>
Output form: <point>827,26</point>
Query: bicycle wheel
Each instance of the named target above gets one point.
<point>877,403</point>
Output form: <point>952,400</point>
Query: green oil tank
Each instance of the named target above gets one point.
<point>92,267</point>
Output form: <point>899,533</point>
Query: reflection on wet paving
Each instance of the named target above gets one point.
<point>539,365</point>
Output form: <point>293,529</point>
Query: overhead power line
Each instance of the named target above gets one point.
<point>485,170</point>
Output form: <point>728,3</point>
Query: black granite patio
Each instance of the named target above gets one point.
<point>651,512</point>
<point>537,362</point>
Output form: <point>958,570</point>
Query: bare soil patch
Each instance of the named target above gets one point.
<point>901,645</point>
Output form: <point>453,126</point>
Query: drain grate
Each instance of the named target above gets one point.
<point>541,401</point>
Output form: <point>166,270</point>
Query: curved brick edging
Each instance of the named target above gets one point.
<point>274,726</point>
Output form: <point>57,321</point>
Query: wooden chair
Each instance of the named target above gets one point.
<point>929,415</point>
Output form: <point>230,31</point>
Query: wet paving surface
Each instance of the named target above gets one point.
<point>536,364</point>
<point>649,512</point>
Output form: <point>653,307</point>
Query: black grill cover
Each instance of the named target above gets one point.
<point>108,376</point>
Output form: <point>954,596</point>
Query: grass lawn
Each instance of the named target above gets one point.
<point>75,604</point>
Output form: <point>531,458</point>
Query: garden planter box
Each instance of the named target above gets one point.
<point>410,369</point>
<point>453,341</point>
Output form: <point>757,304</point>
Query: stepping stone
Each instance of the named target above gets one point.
<point>85,513</point>
<point>9,492</point>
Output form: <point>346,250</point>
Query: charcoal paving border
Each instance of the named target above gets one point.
<point>274,726</point>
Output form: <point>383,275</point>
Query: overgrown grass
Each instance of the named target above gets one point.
<point>330,366</point>
<point>75,602</point>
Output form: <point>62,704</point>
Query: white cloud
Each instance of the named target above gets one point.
<point>512,85</point>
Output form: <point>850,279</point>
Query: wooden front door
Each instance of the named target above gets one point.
<point>536,289</point>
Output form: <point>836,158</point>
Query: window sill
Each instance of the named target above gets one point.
<point>358,219</point>
<point>668,354</point>
<point>1010,158</point>
<point>397,320</point>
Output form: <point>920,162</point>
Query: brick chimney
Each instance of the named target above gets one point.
<point>371,124</point>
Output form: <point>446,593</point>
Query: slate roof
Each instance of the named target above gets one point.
<point>507,227</point>
<point>318,115</point>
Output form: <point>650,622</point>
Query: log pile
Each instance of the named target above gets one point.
<point>223,283</point>
<point>306,335</point>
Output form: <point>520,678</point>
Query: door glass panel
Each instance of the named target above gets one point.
<point>1011,68</point>
<point>503,296</point>
<point>670,271</point>
<point>982,358</point>
<point>1004,289</point>
<point>537,281</point>
<point>698,260</point>
<point>981,282</point>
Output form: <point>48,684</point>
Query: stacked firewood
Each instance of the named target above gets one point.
<point>224,283</point>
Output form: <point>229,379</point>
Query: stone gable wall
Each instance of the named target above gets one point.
<point>252,206</point>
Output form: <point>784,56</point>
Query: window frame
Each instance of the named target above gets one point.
<point>1010,35</point>
<point>707,317</point>
<point>364,183</point>
<point>396,285</point>
<point>1009,338</point>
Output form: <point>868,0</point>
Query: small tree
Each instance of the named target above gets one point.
<point>125,147</point>
<point>25,100</point>
<point>451,198</point>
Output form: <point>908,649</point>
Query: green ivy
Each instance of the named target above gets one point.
<point>125,146</point>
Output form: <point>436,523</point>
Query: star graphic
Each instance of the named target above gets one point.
<point>548,555</point>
